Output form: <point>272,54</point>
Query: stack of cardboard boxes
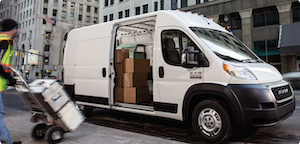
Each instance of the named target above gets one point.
<point>132,75</point>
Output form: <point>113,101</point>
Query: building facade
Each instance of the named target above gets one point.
<point>35,33</point>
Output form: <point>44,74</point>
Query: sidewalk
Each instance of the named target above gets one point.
<point>19,125</point>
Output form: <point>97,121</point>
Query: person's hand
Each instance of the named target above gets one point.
<point>12,82</point>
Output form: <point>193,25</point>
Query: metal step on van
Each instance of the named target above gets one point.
<point>176,65</point>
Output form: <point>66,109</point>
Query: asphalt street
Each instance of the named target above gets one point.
<point>287,132</point>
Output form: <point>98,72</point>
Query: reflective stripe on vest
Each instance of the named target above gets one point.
<point>6,61</point>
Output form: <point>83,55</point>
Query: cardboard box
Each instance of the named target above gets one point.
<point>136,65</point>
<point>119,69</point>
<point>136,94</point>
<point>120,55</point>
<point>119,82</point>
<point>119,94</point>
<point>135,79</point>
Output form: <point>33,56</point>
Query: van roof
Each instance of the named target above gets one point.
<point>169,18</point>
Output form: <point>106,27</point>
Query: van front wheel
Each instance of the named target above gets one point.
<point>211,122</point>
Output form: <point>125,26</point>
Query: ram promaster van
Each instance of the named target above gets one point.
<point>175,65</point>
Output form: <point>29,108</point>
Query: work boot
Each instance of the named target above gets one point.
<point>17,142</point>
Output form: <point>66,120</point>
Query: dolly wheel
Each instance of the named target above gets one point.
<point>54,135</point>
<point>38,132</point>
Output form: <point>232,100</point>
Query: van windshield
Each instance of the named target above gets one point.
<point>225,45</point>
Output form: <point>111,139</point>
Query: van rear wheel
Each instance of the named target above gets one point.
<point>211,121</point>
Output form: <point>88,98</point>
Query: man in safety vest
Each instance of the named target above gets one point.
<point>9,28</point>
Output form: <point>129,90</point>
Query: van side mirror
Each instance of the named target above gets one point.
<point>193,58</point>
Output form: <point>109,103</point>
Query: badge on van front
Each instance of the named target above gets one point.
<point>196,75</point>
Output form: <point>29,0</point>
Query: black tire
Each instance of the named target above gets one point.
<point>54,135</point>
<point>87,111</point>
<point>38,131</point>
<point>214,124</point>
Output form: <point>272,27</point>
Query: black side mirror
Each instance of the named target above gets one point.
<point>193,58</point>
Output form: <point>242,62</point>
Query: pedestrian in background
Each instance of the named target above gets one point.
<point>9,29</point>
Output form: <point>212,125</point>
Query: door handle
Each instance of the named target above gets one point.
<point>104,72</point>
<point>161,72</point>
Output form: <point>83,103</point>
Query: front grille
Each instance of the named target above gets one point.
<point>282,92</point>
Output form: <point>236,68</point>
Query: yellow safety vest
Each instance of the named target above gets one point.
<point>6,61</point>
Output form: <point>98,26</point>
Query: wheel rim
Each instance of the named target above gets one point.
<point>56,135</point>
<point>210,122</point>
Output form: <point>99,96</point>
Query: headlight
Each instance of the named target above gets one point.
<point>239,72</point>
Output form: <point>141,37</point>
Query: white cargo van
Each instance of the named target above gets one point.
<point>198,72</point>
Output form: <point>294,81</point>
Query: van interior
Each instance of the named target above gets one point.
<point>137,38</point>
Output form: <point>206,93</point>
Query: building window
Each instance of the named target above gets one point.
<point>267,50</point>
<point>32,21</point>
<point>63,14</point>
<point>88,9</point>
<point>71,16</point>
<point>183,3</point>
<point>44,22</point>
<point>105,19</point>
<point>96,10</point>
<point>96,1</point>
<point>145,8</point>
<point>26,14</point>
<point>111,2</point>
<point>137,10</point>
<point>64,4</point>
<point>45,2</point>
<point>95,20</point>
<point>88,19</point>
<point>55,3</point>
<point>121,0</point>
<point>265,16</point>
<point>111,17</point>
<point>80,7</point>
<point>155,6</point>
<point>106,3</point>
<point>197,1</point>
<point>120,14</point>
<point>127,13</point>
<point>296,11</point>
<point>174,4</point>
<point>80,17</point>
<point>29,23</point>
<point>46,61</point>
<point>47,48</point>
<point>30,12</point>
<point>54,13</point>
<point>72,6</point>
<point>162,7</point>
<point>231,21</point>
<point>45,11</point>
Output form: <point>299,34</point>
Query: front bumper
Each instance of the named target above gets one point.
<point>261,107</point>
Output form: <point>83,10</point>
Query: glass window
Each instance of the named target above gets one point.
<point>120,14</point>
<point>265,16</point>
<point>88,19</point>
<point>111,17</point>
<point>88,9</point>
<point>105,19</point>
<point>44,22</point>
<point>80,17</point>
<point>71,16</point>
<point>54,13</point>
<point>137,10</point>
<point>155,6</point>
<point>231,21</point>
<point>127,13</point>
<point>95,20</point>
<point>64,3</point>
<point>80,7</point>
<point>63,14</point>
<point>96,10</point>
<point>72,6</point>
<point>173,42</point>
<point>55,2</point>
<point>224,45</point>
<point>47,48</point>
<point>174,4</point>
<point>162,7</point>
<point>106,3</point>
<point>145,8</point>
<point>96,1</point>
<point>45,11</point>
<point>296,11</point>
<point>267,50</point>
<point>183,3</point>
<point>111,2</point>
<point>45,1</point>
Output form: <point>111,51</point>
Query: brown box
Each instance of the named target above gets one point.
<point>132,65</point>
<point>119,81</point>
<point>135,79</point>
<point>119,69</point>
<point>119,94</point>
<point>120,55</point>
<point>136,94</point>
